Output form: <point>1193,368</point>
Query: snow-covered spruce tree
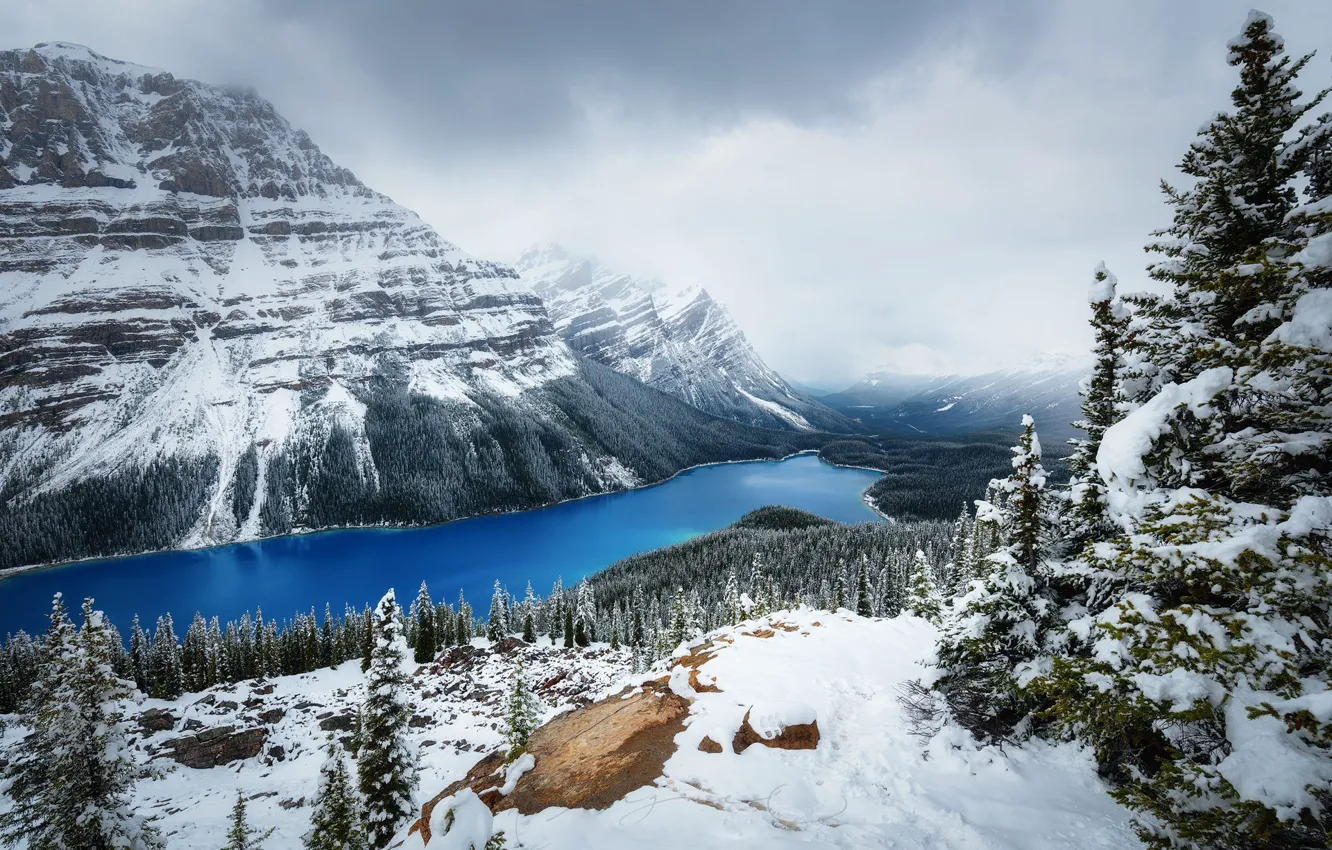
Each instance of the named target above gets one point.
<point>337,822</point>
<point>70,781</point>
<point>960,574</point>
<point>530,607</point>
<point>427,638</point>
<point>140,653</point>
<point>495,630</point>
<point>168,679</point>
<point>385,764</point>
<point>731,610</point>
<point>240,835</point>
<point>1202,682</point>
<point>990,646</point>
<point>923,598</point>
<point>864,593</point>
<point>1084,518</point>
<point>521,713</point>
<point>584,614</point>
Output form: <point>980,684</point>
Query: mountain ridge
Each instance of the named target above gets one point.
<point>681,341</point>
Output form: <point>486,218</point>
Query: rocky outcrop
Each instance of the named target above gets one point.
<point>215,747</point>
<point>681,342</point>
<point>585,759</point>
<point>783,728</point>
<point>156,720</point>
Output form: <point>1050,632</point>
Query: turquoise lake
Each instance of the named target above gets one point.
<point>284,575</point>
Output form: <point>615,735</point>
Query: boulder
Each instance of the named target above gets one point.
<point>781,725</point>
<point>707,745</point>
<point>272,715</point>
<point>508,644</point>
<point>156,720</point>
<point>215,747</point>
<point>586,758</point>
<point>345,722</point>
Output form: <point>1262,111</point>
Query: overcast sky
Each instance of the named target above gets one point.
<point>925,186</point>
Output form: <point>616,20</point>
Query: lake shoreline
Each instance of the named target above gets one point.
<point>16,571</point>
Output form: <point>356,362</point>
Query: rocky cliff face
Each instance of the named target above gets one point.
<point>229,333</point>
<point>680,342</point>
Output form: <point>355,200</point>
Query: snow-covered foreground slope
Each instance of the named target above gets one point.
<point>681,342</point>
<point>457,706</point>
<point>868,783</point>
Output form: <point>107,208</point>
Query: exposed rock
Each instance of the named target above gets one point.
<point>707,745</point>
<point>157,720</point>
<point>345,722</point>
<point>272,715</point>
<point>779,735</point>
<point>292,804</point>
<point>215,747</point>
<point>419,721</point>
<point>587,758</point>
<point>277,752</point>
<point>509,644</point>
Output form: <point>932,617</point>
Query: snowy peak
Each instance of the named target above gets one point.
<point>681,341</point>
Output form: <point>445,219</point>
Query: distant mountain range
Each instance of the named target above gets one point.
<point>892,403</point>
<point>680,341</point>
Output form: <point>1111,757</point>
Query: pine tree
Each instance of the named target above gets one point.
<point>328,640</point>
<point>731,610</point>
<point>337,821</point>
<point>584,613</point>
<point>521,715</point>
<point>923,600</point>
<point>960,548</point>
<point>989,649</point>
<point>568,628</point>
<point>1025,488</point>
<point>864,594</point>
<point>140,650</point>
<point>839,587</point>
<point>242,836</point>
<point>69,783</point>
<point>367,639</point>
<point>1085,519</point>
<point>385,763</point>
<point>530,606</point>
<point>495,627</point>
<point>679,631</point>
<point>168,678</point>
<point>427,643</point>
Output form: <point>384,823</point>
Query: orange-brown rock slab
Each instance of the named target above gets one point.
<point>707,745</point>
<point>800,736</point>
<point>585,759</point>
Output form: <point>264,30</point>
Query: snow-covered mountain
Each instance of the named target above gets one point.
<point>682,342</point>
<point>210,331</point>
<point>1047,388</point>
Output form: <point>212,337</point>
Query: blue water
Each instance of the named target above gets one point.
<point>570,540</point>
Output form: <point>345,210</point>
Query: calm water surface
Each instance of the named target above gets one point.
<point>289,574</point>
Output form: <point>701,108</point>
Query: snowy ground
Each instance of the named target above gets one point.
<point>868,784</point>
<point>457,711</point>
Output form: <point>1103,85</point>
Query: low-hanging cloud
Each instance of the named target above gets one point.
<point>925,186</point>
